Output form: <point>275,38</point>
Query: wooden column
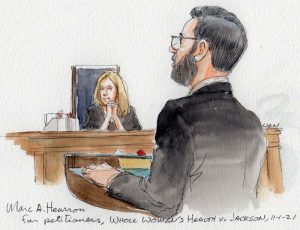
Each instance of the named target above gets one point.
<point>40,167</point>
<point>271,178</point>
<point>275,170</point>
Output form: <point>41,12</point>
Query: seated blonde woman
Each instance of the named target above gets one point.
<point>111,110</point>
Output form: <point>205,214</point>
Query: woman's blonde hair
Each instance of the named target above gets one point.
<point>121,97</point>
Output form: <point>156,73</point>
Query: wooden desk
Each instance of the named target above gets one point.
<point>91,193</point>
<point>48,149</point>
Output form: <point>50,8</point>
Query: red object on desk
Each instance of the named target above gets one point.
<point>140,152</point>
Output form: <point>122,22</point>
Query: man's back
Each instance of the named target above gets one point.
<point>209,157</point>
<point>227,146</point>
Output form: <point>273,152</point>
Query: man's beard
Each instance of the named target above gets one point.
<point>184,71</point>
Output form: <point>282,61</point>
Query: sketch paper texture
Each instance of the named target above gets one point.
<point>125,144</point>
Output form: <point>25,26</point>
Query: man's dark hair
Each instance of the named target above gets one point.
<point>224,33</point>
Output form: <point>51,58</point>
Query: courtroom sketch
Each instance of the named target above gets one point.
<point>208,151</point>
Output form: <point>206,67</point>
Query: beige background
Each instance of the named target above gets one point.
<point>40,40</point>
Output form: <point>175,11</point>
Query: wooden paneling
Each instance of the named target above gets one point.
<point>48,149</point>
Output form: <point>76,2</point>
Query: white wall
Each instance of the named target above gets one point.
<point>40,40</point>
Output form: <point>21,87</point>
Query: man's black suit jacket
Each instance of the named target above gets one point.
<point>209,155</point>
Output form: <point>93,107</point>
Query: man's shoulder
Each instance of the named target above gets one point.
<point>214,104</point>
<point>186,102</point>
<point>173,106</point>
<point>179,107</point>
<point>179,102</point>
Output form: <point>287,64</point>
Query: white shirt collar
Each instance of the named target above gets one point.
<point>206,82</point>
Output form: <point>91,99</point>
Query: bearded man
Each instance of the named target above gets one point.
<point>210,147</point>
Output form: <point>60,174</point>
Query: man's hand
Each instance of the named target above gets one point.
<point>101,174</point>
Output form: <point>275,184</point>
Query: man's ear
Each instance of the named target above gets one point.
<point>201,51</point>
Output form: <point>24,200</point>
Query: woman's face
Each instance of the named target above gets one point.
<point>108,91</point>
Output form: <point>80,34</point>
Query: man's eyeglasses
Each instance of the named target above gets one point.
<point>176,41</point>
